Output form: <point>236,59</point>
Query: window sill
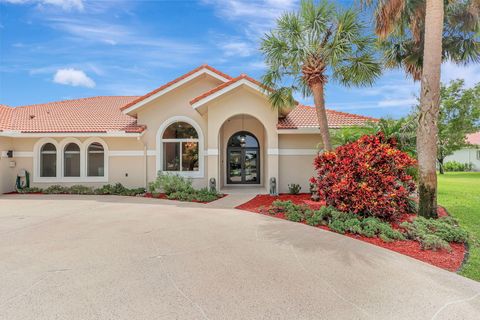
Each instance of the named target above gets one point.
<point>70,180</point>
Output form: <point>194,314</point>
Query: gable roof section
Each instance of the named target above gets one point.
<point>306,117</point>
<point>214,93</point>
<point>6,113</point>
<point>474,138</point>
<point>92,115</point>
<point>203,69</point>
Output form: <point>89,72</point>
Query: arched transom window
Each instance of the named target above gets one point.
<point>180,147</point>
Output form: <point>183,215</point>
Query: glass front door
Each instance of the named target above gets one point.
<point>243,159</point>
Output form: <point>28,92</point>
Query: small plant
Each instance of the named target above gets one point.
<point>79,189</point>
<point>435,233</point>
<point>30,190</point>
<point>454,166</point>
<point>171,183</point>
<point>294,188</point>
<point>56,189</point>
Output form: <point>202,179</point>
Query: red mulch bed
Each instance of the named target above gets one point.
<point>450,261</point>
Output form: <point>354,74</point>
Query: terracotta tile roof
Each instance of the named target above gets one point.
<point>6,113</point>
<point>226,84</point>
<point>474,138</point>
<point>96,114</point>
<point>305,117</point>
<point>168,84</point>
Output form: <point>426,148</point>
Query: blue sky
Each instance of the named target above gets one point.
<point>64,49</point>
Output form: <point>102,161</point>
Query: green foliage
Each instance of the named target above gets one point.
<point>79,189</point>
<point>118,189</point>
<point>403,33</point>
<point>454,166</point>
<point>318,34</point>
<point>56,189</point>
<point>435,233</point>
<point>30,190</point>
<point>337,221</point>
<point>171,183</point>
<point>459,116</point>
<point>177,187</point>
<point>294,188</point>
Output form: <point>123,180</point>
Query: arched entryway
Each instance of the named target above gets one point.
<point>243,159</point>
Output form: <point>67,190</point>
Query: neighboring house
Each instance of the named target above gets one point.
<point>470,154</point>
<point>204,124</point>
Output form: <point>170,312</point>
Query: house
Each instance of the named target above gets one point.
<point>470,154</point>
<point>203,125</point>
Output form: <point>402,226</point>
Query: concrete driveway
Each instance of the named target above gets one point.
<point>89,257</point>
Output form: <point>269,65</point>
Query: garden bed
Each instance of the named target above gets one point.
<point>163,196</point>
<point>449,260</point>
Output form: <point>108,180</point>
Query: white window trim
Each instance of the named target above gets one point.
<point>60,161</point>
<point>201,153</point>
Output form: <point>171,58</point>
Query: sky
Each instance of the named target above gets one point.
<point>54,50</point>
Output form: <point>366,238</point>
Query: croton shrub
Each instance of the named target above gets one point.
<point>367,177</point>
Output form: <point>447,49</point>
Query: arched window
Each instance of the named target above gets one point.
<point>180,147</point>
<point>95,160</point>
<point>71,160</point>
<point>48,160</point>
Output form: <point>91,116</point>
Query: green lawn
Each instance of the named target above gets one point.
<point>459,192</point>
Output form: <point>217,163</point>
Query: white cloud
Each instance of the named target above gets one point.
<point>238,49</point>
<point>469,73</point>
<point>73,77</point>
<point>64,4</point>
<point>256,16</point>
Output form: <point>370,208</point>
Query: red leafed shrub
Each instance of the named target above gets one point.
<point>366,177</point>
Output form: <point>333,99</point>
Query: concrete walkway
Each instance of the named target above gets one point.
<point>109,257</point>
<point>231,201</point>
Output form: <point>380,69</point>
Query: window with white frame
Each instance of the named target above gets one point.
<point>48,160</point>
<point>180,147</point>
<point>95,160</point>
<point>71,160</point>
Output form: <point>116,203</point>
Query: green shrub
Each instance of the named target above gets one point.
<point>206,195</point>
<point>30,190</point>
<point>119,190</point>
<point>433,242</point>
<point>314,218</point>
<point>56,189</point>
<point>79,189</point>
<point>294,188</point>
<point>171,183</point>
<point>454,166</point>
<point>337,226</point>
<point>435,233</point>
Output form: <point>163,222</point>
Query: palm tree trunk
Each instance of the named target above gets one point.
<point>427,132</point>
<point>319,100</point>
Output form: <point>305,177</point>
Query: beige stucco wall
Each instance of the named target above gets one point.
<point>7,180</point>
<point>128,170</point>
<point>241,101</point>
<point>297,167</point>
<point>174,104</point>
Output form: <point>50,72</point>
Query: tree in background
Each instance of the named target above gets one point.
<point>312,45</point>
<point>419,28</point>
<point>459,116</point>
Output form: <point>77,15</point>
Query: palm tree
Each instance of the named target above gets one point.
<point>311,45</point>
<point>416,30</point>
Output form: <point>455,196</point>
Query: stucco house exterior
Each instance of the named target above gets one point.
<point>470,154</point>
<point>204,124</point>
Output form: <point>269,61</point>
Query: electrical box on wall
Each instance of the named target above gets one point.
<point>10,153</point>
<point>12,164</point>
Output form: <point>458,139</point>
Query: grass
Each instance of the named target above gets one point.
<point>459,192</point>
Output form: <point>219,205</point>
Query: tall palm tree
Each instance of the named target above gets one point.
<point>415,29</point>
<point>311,45</point>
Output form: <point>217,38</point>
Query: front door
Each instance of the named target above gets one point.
<point>243,159</point>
